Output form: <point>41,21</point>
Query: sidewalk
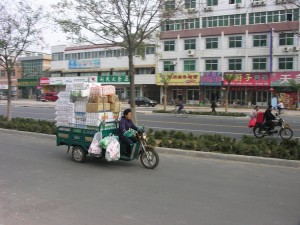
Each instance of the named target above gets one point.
<point>247,111</point>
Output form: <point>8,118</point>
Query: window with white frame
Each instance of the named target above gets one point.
<point>189,44</point>
<point>190,4</point>
<point>259,40</point>
<point>211,64</point>
<point>259,63</point>
<point>58,56</point>
<point>169,5</point>
<point>169,65</point>
<point>235,42</point>
<point>285,63</point>
<point>169,46</point>
<point>150,50</point>
<point>189,65</point>
<point>286,39</point>
<point>211,2</point>
<point>211,43</point>
<point>2,73</point>
<point>235,64</point>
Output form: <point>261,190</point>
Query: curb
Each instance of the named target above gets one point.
<point>171,151</point>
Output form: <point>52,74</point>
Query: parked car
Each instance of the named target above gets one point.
<point>144,101</point>
<point>49,96</point>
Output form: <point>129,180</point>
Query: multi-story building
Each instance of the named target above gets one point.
<point>16,74</point>
<point>257,40</point>
<point>104,63</point>
<point>33,67</point>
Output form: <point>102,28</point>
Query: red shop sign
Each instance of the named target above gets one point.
<point>44,81</point>
<point>250,79</point>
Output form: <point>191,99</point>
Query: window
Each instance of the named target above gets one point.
<point>190,4</point>
<point>234,1</point>
<point>259,64</point>
<point>169,5</point>
<point>211,2</point>
<point>222,21</point>
<point>169,66</point>
<point>274,16</point>
<point>169,46</point>
<point>189,65</point>
<point>286,39</point>
<point>211,64</point>
<point>189,44</point>
<point>211,43</point>
<point>260,40</point>
<point>2,73</point>
<point>181,24</point>
<point>109,53</point>
<point>58,56</point>
<point>285,63</point>
<point>235,64</point>
<point>150,50</point>
<point>102,54</point>
<point>235,42</point>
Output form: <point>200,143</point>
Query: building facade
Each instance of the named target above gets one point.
<point>33,67</point>
<point>16,74</point>
<point>256,40</point>
<point>103,63</point>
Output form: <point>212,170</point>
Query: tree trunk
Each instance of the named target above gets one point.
<point>132,87</point>
<point>298,98</point>
<point>226,98</point>
<point>9,97</point>
<point>165,98</point>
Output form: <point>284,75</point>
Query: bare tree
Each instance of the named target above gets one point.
<point>228,78</point>
<point>18,30</point>
<point>129,24</point>
<point>165,79</point>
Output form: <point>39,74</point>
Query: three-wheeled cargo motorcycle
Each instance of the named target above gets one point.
<point>80,139</point>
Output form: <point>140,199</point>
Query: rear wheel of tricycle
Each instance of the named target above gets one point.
<point>78,154</point>
<point>258,132</point>
<point>149,158</point>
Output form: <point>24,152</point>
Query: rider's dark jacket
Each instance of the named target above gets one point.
<point>125,124</point>
<point>269,116</point>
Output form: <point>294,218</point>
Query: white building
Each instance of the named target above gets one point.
<point>106,63</point>
<point>258,39</point>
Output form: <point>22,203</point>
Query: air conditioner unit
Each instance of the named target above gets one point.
<point>286,49</point>
<point>256,3</point>
<point>280,1</point>
<point>192,10</point>
<point>238,5</point>
<point>174,62</point>
<point>262,3</point>
<point>208,8</point>
<point>190,52</point>
<point>296,48</point>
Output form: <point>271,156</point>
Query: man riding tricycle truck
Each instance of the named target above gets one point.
<point>112,140</point>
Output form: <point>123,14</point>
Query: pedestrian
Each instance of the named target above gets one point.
<point>280,107</point>
<point>254,112</point>
<point>213,107</point>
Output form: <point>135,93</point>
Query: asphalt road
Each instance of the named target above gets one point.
<point>229,126</point>
<point>39,184</point>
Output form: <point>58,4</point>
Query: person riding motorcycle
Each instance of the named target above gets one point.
<point>269,117</point>
<point>124,125</point>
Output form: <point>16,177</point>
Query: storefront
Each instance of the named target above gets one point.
<point>183,86</point>
<point>210,87</point>
<point>28,88</point>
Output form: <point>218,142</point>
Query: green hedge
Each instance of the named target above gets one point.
<point>30,125</point>
<point>251,146</point>
<point>236,114</point>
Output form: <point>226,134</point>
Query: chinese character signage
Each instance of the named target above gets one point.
<point>211,79</point>
<point>84,63</point>
<point>250,79</point>
<point>113,79</point>
<point>27,82</point>
<point>282,78</point>
<point>181,79</point>
<point>66,80</point>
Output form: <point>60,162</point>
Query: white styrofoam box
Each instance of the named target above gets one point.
<point>63,124</point>
<point>62,101</point>
<point>63,94</point>
<point>85,93</point>
<point>80,106</point>
<point>71,120</point>
<point>108,90</point>
<point>80,85</point>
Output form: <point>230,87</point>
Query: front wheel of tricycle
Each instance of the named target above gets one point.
<point>149,158</point>
<point>78,154</point>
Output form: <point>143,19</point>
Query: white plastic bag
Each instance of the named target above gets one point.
<point>113,151</point>
<point>95,148</point>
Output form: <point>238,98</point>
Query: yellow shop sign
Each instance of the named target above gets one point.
<point>179,79</point>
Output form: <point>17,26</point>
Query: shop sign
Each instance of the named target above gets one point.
<point>249,79</point>
<point>211,79</point>
<point>27,82</point>
<point>3,86</point>
<point>180,79</point>
<point>67,80</point>
<point>282,78</point>
<point>84,63</point>
<point>44,81</point>
<point>114,79</point>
